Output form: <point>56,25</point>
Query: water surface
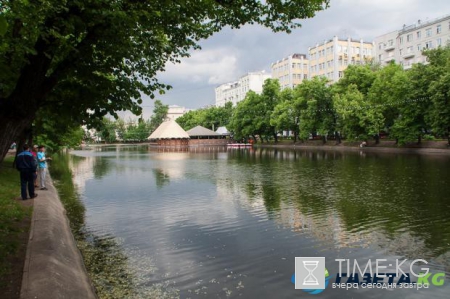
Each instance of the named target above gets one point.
<point>228,224</point>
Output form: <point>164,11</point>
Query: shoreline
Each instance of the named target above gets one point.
<point>352,148</point>
<point>54,267</point>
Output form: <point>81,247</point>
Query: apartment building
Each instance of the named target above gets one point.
<point>291,71</point>
<point>333,56</point>
<point>236,91</point>
<point>405,46</point>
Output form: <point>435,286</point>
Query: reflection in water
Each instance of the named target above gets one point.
<point>224,224</point>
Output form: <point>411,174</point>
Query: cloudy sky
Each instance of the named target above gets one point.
<point>231,53</point>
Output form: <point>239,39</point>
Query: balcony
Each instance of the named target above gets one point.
<point>408,55</point>
<point>389,48</point>
<point>389,59</point>
<point>407,67</point>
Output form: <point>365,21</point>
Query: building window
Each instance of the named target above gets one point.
<point>438,29</point>
<point>401,52</point>
<point>390,42</point>
<point>419,47</point>
<point>305,76</point>
<point>429,45</point>
<point>380,46</point>
<point>419,34</point>
<point>379,57</point>
<point>341,74</point>
<point>439,42</point>
<point>401,40</point>
<point>428,32</point>
<point>409,37</point>
<point>410,49</point>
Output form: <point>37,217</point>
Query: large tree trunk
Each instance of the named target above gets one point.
<point>324,139</point>
<point>419,139</point>
<point>295,136</point>
<point>11,130</point>
<point>338,137</point>
<point>448,136</point>
<point>377,138</point>
<point>275,136</point>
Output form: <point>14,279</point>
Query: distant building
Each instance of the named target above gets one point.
<point>176,111</point>
<point>291,71</point>
<point>405,46</point>
<point>236,91</point>
<point>333,56</point>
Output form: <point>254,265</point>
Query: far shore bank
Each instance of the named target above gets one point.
<point>386,146</point>
<point>427,147</point>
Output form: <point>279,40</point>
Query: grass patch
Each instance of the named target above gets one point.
<point>11,214</point>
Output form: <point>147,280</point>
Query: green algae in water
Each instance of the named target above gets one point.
<point>112,272</point>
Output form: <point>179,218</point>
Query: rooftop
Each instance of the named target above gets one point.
<point>169,130</point>
<point>201,131</point>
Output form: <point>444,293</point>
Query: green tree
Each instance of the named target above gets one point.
<point>390,89</point>
<point>121,128</point>
<point>92,58</point>
<point>212,117</point>
<point>362,76</point>
<point>439,92</point>
<point>410,92</point>
<point>318,115</point>
<point>106,131</point>
<point>158,116</point>
<point>243,123</point>
<point>358,119</point>
<point>264,106</point>
<point>285,116</point>
<point>56,133</point>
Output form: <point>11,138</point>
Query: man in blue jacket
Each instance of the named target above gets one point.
<point>26,164</point>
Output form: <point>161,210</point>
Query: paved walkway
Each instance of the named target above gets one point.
<point>53,266</point>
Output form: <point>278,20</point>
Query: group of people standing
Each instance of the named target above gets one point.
<point>30,163</point>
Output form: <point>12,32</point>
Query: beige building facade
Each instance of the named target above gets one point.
<point>405,46</point>
<point>175,112</point>
<point>291,71</point>
<point>333,56</point>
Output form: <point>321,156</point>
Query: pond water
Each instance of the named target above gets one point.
<point>229,224</point>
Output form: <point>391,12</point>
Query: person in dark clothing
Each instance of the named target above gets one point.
<point>26,164</point>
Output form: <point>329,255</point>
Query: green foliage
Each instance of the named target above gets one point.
<point>93,58</point>
<point>285,116</point>
<point>243,123</point>
<point>362,76</point>
<point>212,117</point>
<point>439,114</point>
<point>317,116</point>
<point>56,132</point>
<point>159,115</point>
<point>138,132</point>
<point>106,131</point>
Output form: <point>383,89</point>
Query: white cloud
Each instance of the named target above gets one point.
<point>231,53</point>
<point>212,66</point>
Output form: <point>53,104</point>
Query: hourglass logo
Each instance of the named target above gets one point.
<point>310,273</point>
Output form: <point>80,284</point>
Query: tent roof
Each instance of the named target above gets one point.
<point>201,131</point>
<point>169,130</point>
<point>222,131</point>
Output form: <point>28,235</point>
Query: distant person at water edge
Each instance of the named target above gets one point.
<point>26,164</point>
<point>34,153</point>
<point>42,160</point>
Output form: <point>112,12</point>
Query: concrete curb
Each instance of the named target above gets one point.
<point>54,266</point>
